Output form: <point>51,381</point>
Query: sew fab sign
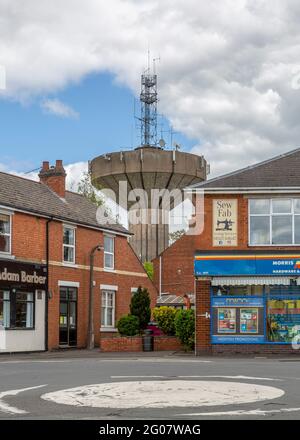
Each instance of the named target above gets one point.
<point>225,222</point>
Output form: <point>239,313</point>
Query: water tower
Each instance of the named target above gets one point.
<point>147,167</point>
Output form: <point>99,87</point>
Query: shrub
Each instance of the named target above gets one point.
<point>128,325</point>
<point>185,328</point>
<point>140,306</point>
<point>165,318</point>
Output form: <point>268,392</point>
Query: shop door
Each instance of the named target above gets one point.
<point>68,316</point>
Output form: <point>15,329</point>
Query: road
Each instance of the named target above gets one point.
<point>146,387</point>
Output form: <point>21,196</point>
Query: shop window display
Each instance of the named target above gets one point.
<point>283,319</point>
<point>249,320</point>
<point>226,320</point>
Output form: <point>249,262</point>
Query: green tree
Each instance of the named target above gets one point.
<point>185,328</point>
<point>148,266</point>
<point>128,325</point>
<point>165,318</point>
<point>86,189</point>
<point>140,306</point>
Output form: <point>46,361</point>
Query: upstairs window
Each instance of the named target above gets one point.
<point>274,221</point>
<point>69,244</point>
<point>5,233</point>
<point>109,252</point>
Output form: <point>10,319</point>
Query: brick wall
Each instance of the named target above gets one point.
<point>253,349</point>
<point>121,344</point>
<point>203,241</point>
<point>167,343</point>
<point>29,244</point>
<point>135,344</point>
<point>202,332</point>
<point>177,267</point>
<point>178,259</point>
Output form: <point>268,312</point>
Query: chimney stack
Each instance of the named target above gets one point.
<point>54,177</point>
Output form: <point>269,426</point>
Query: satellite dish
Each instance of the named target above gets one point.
<point>162,143</point>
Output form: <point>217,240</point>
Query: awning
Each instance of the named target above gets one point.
<point>254,281</point>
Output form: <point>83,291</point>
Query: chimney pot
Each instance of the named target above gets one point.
<point>45,165</point>
<point>54,177</point>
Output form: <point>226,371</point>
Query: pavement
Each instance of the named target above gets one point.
<point>82,384</point>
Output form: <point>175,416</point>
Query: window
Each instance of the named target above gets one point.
<point>249,320</point>
<point>226,320</point>
<point>283,319</point>
<point>4,309</point>
<point>5,233</point>
<point>108,309</point>
<point>274,221</point>
<point>69,244</point>
<point>16,309</point>
<point>109,252</point>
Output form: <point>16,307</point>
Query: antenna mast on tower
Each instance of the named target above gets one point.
<point>148,98</point>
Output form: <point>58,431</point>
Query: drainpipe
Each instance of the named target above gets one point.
<point>47,283</point>
<point>91,333</point>
<point>160,267</point>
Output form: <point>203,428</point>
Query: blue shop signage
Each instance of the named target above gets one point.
<point>237,320</point>
<point>231,301</point>
<point>229,265</point>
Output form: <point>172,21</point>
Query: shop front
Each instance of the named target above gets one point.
<point>254,301</point>
<point>22,306</point>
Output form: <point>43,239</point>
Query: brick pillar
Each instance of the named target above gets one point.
<point>203,343</point>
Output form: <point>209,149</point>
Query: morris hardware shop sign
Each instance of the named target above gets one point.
<point>22,275</point>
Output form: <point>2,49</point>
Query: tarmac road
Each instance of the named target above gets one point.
<point>152,386</point>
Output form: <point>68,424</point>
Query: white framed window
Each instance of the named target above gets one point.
<point>109,252</point>
<point>5,233</point>
<point>274,222</point>
<point>17,309</point>
<point>69,244</point>
<point>108,299</point>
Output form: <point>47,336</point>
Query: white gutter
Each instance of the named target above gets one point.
<point>262,190</point>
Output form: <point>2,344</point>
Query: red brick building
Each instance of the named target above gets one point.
<point>46,237</point>
<point>246,261</point>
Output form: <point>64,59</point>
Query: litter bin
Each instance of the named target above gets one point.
<point>148,340</point>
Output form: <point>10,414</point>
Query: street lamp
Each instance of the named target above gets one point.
<point>91,333</point>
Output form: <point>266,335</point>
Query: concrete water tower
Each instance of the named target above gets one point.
<point>150,166</point>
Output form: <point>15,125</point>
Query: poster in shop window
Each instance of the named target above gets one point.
<point>225,222</point>
<point>249,320</point>
<point>226,320</point>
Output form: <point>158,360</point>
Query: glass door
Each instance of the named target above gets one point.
<point>68,316</point>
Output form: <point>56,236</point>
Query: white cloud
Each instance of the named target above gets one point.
<point>58,108</point>
<point>229,70</point>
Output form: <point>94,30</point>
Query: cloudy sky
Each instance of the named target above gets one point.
<point>229,77</point>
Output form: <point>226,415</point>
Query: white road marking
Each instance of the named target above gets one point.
<point>175,360</point>
<point>195,377</point>
<point>252,412</point>
<point>237,377</point>
<point>162,394</point>
<point>46,361</point>
<point>139,377</point>
<point>35,361</point>
<point>6,408</point>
